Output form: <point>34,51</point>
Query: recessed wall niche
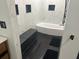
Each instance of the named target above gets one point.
<point>28,8</point>
<point>17,9</point>
<point>51,8</point>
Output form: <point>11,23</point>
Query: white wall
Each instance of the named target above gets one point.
<point>27,20</point>
<point>39,13</point>
<point>7,14</point>
<point>53,16</point>
<point>70,48</point>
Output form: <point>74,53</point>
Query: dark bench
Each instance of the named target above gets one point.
<point>28,41</point>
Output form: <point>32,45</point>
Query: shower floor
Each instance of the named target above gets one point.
<point>42,46</point>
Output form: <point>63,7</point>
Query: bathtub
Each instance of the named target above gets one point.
<point>50,29</point>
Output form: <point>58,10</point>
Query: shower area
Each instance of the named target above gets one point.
<point>41,26</point>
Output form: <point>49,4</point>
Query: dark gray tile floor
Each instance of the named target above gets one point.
<point>42,46</point>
